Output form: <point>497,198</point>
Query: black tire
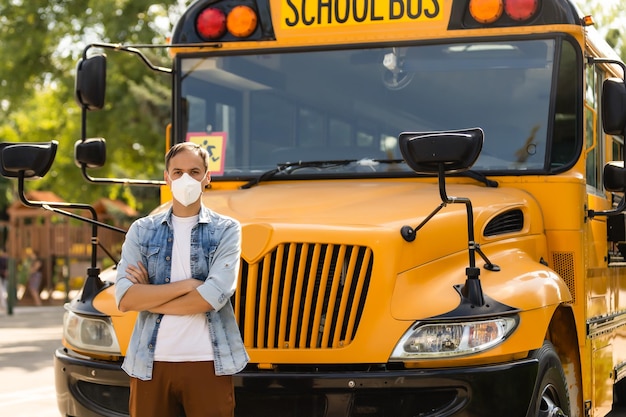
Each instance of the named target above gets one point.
<point>619,394</point>
<point>551,394</point>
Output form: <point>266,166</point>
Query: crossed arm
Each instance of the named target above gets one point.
<point>177,298</point>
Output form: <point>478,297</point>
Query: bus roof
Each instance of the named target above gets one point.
<point>291,22</point>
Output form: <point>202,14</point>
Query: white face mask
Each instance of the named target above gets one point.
<point>186,190</point>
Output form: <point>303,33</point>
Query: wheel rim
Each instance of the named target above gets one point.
<point>549,406</point>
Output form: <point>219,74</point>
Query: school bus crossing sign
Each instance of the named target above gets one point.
<point>215,144</point>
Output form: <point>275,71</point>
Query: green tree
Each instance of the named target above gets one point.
<point>609,21</point>
<point>44,40</point>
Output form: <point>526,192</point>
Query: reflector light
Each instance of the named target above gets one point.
<point>241,21</point>
<point>211,23</point>
<point>486,11</point>
<point>521,9</point>
<point>588,21</point>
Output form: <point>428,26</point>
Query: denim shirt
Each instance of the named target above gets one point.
<point>215,255</point>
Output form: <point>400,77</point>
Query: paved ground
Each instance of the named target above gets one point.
<point>28,339</point>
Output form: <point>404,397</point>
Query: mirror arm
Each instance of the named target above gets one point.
<point>408,232</point>
<point>51,205</point>
<point>621,207</point>
<point>125,181</point>
<point>83,123</point>
<point>591,60</point>
<point>132,50</point>
<point>55,207</point>
<point>93,283</point>
<point>472,290</point>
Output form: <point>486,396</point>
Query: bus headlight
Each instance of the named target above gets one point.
<point>92,334</point>
<point>445,339</point>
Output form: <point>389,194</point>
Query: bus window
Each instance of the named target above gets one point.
<point>343,104</point>
<point>226,124</point>
<point>272,126</point>
<point>311,129</point>
<point>594,157</point>
<point>196,108</point>
<point>565,144</point>
<point>339,133</point>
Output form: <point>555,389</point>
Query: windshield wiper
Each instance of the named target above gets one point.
<point>289,167</point>
<point>479,176</point>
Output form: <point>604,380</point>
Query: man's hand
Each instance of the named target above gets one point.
<point>137,274</point>
<point>145,296</point>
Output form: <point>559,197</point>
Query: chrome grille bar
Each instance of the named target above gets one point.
<point>303,296</point>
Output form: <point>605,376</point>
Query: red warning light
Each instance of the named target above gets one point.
<point>521,9</point>
<point>211,23</point>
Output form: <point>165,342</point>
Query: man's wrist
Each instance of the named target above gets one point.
<point>193,284</point>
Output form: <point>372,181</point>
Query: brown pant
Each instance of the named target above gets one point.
<point>177,386</point>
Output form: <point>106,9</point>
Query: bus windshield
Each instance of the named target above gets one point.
<point>254,112</point>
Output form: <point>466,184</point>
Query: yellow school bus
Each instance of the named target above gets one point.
<point>431,196</point>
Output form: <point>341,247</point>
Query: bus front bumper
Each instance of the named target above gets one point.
<point>491,390</point>
<point>89,388</point>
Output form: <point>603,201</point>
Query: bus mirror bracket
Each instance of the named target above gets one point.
<point>613,99</point>
<point>31,161</point>
<point>89,92</point>
<point>443,153</point>
<point>613,123</point>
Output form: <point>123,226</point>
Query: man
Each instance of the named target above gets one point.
<point>179,270</point>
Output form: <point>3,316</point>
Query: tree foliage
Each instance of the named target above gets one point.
<point>609,20</point>
<point>44,40</point>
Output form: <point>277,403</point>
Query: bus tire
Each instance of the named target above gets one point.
<point>619,393</point>
<point>551,394</point>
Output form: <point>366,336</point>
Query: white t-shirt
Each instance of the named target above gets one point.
<point>183,338</point>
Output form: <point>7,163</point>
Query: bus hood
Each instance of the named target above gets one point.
<point>353,203</point>
<point>352,212</point>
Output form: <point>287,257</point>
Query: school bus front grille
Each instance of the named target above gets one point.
<point>303,296</point>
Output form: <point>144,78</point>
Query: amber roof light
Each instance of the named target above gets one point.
<point>486,11</point>
<point>241,21</point>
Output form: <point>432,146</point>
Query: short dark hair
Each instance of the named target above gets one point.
<point>193,147</point>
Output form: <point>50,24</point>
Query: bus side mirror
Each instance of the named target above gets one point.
<point>614,180</point>
<point>614,177</point>
<point>614,106</point>
<point>89,89</point>
<point>28,160</point>
<point>454,150</point>
<point>90,153</point>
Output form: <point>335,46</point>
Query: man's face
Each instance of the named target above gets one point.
<point>187,162</point>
